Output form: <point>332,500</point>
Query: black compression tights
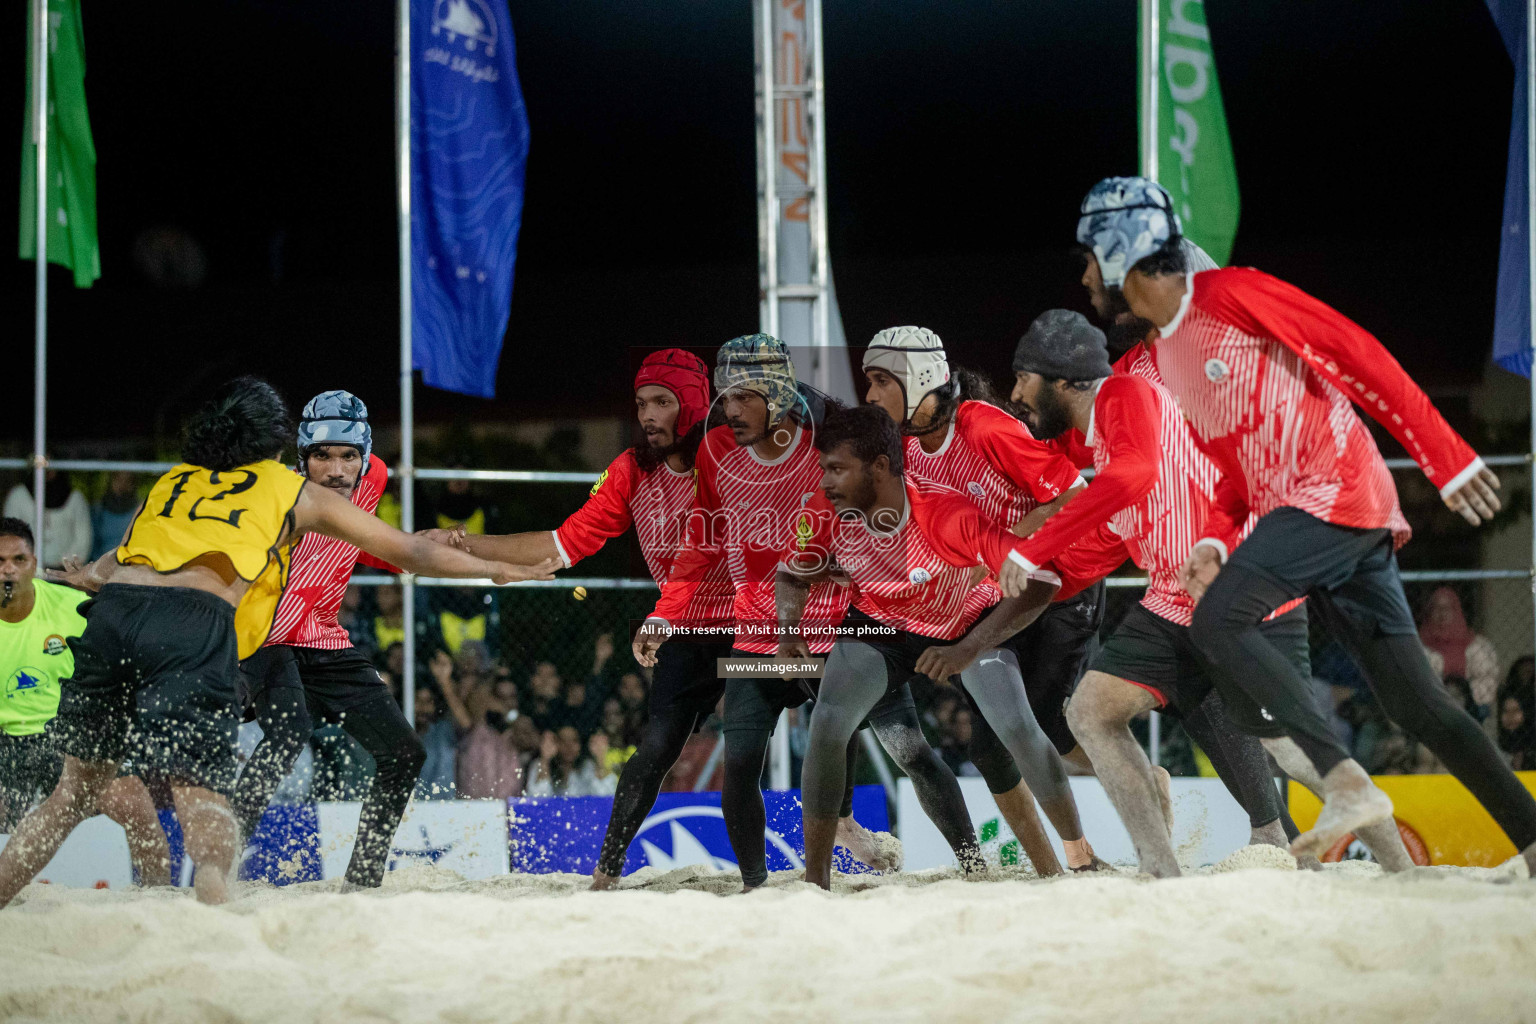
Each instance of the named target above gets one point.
<point>379,728</point>
<point>741,798</point>
<point>285,728</point>
<point>660,744</point>
<point>1240,763</point>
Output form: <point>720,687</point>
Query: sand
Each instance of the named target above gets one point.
<point>1251,939</point>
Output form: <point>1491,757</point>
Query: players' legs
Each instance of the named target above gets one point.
<point>880,851</point>
<point>1011,793</point>
<point>126,801</point>
<point>380,728</point>
<point>1100,715</point>
<point>1243,767</point>
<point>1288,554</point>
<point>43,831</point>
<point>896,725</point>
<point>1380,837</point>
<point>661,742</point>
<point>283,715</point>
<point>1370,614</point>
<point>211,835</point>
<point>994,683</point>
<point>752,708</point>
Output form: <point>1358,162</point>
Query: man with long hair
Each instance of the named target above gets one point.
<point>191,589</point>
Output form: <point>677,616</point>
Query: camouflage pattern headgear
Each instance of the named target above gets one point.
<point>335,417</point>
<point>759,363</point>
<point>1124,220</point>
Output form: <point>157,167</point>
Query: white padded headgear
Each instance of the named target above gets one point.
<point>914,356</point>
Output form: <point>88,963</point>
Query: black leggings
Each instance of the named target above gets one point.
<point>1350,577</point>
<point>1240,762</point>
<point>375,722</point>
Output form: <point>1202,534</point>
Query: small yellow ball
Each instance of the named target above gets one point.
<point>580,593</point>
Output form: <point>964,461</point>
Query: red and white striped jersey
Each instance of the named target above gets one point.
<point>918,575</point>
<point>744,515</point>
<point>657,505</point>
<point>322,567</point>
<point>993,459</point>
<point>1266,375</point>
<point>1151,487</point>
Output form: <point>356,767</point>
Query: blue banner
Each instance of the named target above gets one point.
<point>469,146</point>
<point>566,833</point>
<point>1512,308</point>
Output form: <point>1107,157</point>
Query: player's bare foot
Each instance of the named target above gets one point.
<point>602,882</point>
<point>1080,856</point>
<point>1307,862</point>
<point>1529,856</point>
<point>881,851</point>
<point>1351,801</point>
<point>1272,834</point>
<point>1164,784</point>
<point>210,885</point>
<point>1386,844</point>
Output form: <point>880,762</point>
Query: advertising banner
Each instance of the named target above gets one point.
<point>683,829</point>
<point>1208,825</point>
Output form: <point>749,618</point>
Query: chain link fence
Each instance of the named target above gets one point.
<point>557,653</point>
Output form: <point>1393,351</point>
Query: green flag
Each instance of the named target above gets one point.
<point>71,177</point>
<point>1193,153</point>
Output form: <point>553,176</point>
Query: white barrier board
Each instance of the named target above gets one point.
<point>466,836</point>
<point>1208,824</point>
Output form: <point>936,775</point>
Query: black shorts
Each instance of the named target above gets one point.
<point>1353,571</point>
<point>686,680</point>
<point>29,770</point>
<point>1053,653</point>
<point>333,682</point>
<point>1148,651</point>
<point>755,704</point>
<point>155,679</point>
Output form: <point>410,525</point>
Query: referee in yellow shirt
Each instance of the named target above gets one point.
<point>38,621</point>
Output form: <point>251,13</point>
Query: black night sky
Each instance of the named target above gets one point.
<point>1370,140</point>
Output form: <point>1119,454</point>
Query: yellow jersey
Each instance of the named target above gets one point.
<point>241,514</point>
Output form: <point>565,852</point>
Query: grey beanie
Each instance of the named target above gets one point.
<point>1063,345</point>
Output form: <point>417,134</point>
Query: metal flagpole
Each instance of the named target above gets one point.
<point>1149,91</point>
<point>1530,241</point>
<point>40,367</point>
<point>822,252</point>
<point>405,471</point>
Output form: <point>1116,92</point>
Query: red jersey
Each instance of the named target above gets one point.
<point>993,459</point>
<point>744,515</point>
<point>1266,374</point>
<point>656,504</point>
<point>1151,487</point>
<point>322,568</point>
<point>918,575</point>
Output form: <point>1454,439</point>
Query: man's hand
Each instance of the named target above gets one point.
<point>648,640</point>
<point>441,667</point>
<point>1200,570</point>
<point>452,538</point>
<point>1013,578</point>
<point>603,650</point>
<point>1475,500</point>
<point>793,648</point>
<point>75,574</point>
<point>501,572</point>
<point>939,663</point>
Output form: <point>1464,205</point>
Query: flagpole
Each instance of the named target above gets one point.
<point>1530,241</point>
<point>405,471</point>
<point>1149,91</point>
<point>40,362</point>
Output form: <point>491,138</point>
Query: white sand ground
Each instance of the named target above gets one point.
<point>1251,943</point>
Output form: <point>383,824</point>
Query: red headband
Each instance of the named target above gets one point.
<point>685,375</point>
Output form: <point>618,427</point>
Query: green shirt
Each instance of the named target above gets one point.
<point>35,655</point>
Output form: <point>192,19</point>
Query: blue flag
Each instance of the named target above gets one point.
<point>1512,308</point>
<point>469,146</point>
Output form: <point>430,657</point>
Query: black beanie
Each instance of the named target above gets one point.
<point>1063,345</point>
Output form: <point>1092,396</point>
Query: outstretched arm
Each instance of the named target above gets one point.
<point>1006,618</point>
<point>322,511</point>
